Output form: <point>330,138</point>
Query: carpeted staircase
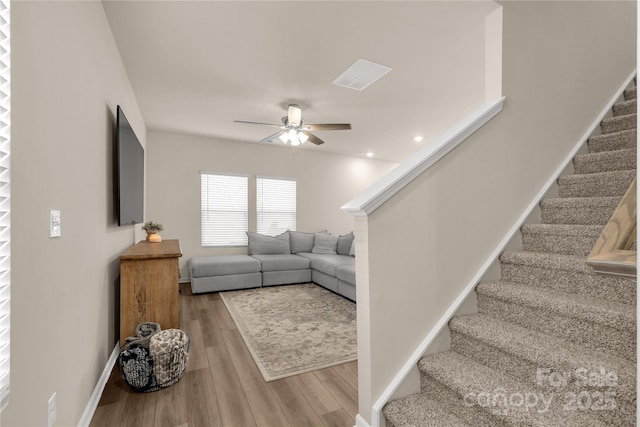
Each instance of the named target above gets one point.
<point>553,343</point>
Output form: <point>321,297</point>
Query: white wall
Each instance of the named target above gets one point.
<point>562,62</point>
<point>67,78</point>
<point>324,183</point>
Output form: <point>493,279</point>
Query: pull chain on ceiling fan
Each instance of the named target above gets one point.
<point>294,130</point>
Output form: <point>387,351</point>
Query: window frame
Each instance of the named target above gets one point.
<point>207,230</point>
<point>260,211</point>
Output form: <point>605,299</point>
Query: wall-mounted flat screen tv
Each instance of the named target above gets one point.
<point>130,173</point>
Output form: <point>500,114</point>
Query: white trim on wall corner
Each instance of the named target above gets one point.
<point>381,191</point>
<point>92,404</point>
<point>376,410</point>
<point>361,422</point>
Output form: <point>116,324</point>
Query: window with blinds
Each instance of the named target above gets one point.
<point>276,205</point>
<point>5,140</point>
<point>224,209</point>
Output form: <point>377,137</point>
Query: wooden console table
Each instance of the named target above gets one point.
<point>149,288</point>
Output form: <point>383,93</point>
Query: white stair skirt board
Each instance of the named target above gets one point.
<point>92,404</point>
<point>431,336</point>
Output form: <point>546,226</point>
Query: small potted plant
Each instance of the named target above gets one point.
<point>152,229</point>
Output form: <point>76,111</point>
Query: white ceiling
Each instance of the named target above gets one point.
<point>197,66</point>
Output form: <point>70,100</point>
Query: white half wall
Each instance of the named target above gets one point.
<point>324,183</point>
<point>561,63</point>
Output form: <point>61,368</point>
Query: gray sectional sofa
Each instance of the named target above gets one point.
<point>291,257</point>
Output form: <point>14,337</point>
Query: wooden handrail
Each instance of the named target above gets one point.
<point>612,252</point>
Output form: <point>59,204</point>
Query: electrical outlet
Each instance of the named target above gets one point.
<point>53,409</point>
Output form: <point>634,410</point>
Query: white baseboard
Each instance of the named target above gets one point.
<point>361,422</point>
<point>92,405</point>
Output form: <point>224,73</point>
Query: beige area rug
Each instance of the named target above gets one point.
<point>293,329</point>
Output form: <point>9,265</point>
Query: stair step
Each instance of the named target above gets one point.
<point>560,238</point>
<point>625,107</point>
<point>578,210</point>
<point>601,184</point>
<point>542,361</point>
<point>619,123</point>
<point>606,326</point>
<point>418,410</point>
<point>565,273</point>
<point>475,385</point>
<point>606,161</point>
<point>631,93</point>
<point>613,141</point>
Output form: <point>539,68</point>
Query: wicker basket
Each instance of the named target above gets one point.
<point>147,369</point>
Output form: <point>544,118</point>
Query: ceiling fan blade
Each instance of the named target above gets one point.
<point>258,123</point>
<point>270,138</point>
<point>313,138</point>
<point>328,126</point>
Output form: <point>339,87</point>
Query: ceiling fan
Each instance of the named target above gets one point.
<point>294,130</point>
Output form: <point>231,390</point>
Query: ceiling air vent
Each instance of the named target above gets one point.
<point>361,74</point>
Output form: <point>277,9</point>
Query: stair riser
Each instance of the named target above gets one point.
<point>608,288</point>
<point>618,124</point>
<point>624,108</point>
<point>587,215</point>
<point>600,186</point>
<point>612,142</point>
<point>631,93</point>
<point>607,162</point>
<point>471,414</point>
<point>595,336</point>
<point>549,382</point>
<point>558,243</point>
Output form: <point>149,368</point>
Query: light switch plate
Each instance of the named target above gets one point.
<point>54,224</point>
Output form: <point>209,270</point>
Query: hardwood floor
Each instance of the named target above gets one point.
<point>223,387</point>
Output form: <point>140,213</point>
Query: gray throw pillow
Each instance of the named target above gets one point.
<point>344,243</point>
<point>301,242</point>
<point>259,244</point>
<point>325,244</point>
<point>352,251</point>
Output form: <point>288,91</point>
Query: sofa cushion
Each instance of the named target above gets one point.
<point>327,264</point>
<point>344,243</point>
<point>352,251</point>
<point>223,265</point>
<point>325,244</point>
<point>347,273</point>
<point>259,244</point>
<point>282,262</point>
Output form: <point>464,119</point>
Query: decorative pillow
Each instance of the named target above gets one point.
<point>302,242</point>
<point>325,244</point>
<point>259,244</point>
<point>352,251</point>
<point>344,243</point>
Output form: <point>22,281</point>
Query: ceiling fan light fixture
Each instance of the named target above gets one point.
<point>294,115</point>
<point>284,137</point>
<point>302,137</point>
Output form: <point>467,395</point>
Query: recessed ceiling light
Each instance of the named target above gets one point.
<point>361,74</point>
<point>418,138</point>
<point>368,154</point>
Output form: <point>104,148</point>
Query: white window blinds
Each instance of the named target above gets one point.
<point>5,139</point>
<point>224,209</point>
<point>276,205</point>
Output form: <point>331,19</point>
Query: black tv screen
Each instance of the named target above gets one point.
<point>130,173</point>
